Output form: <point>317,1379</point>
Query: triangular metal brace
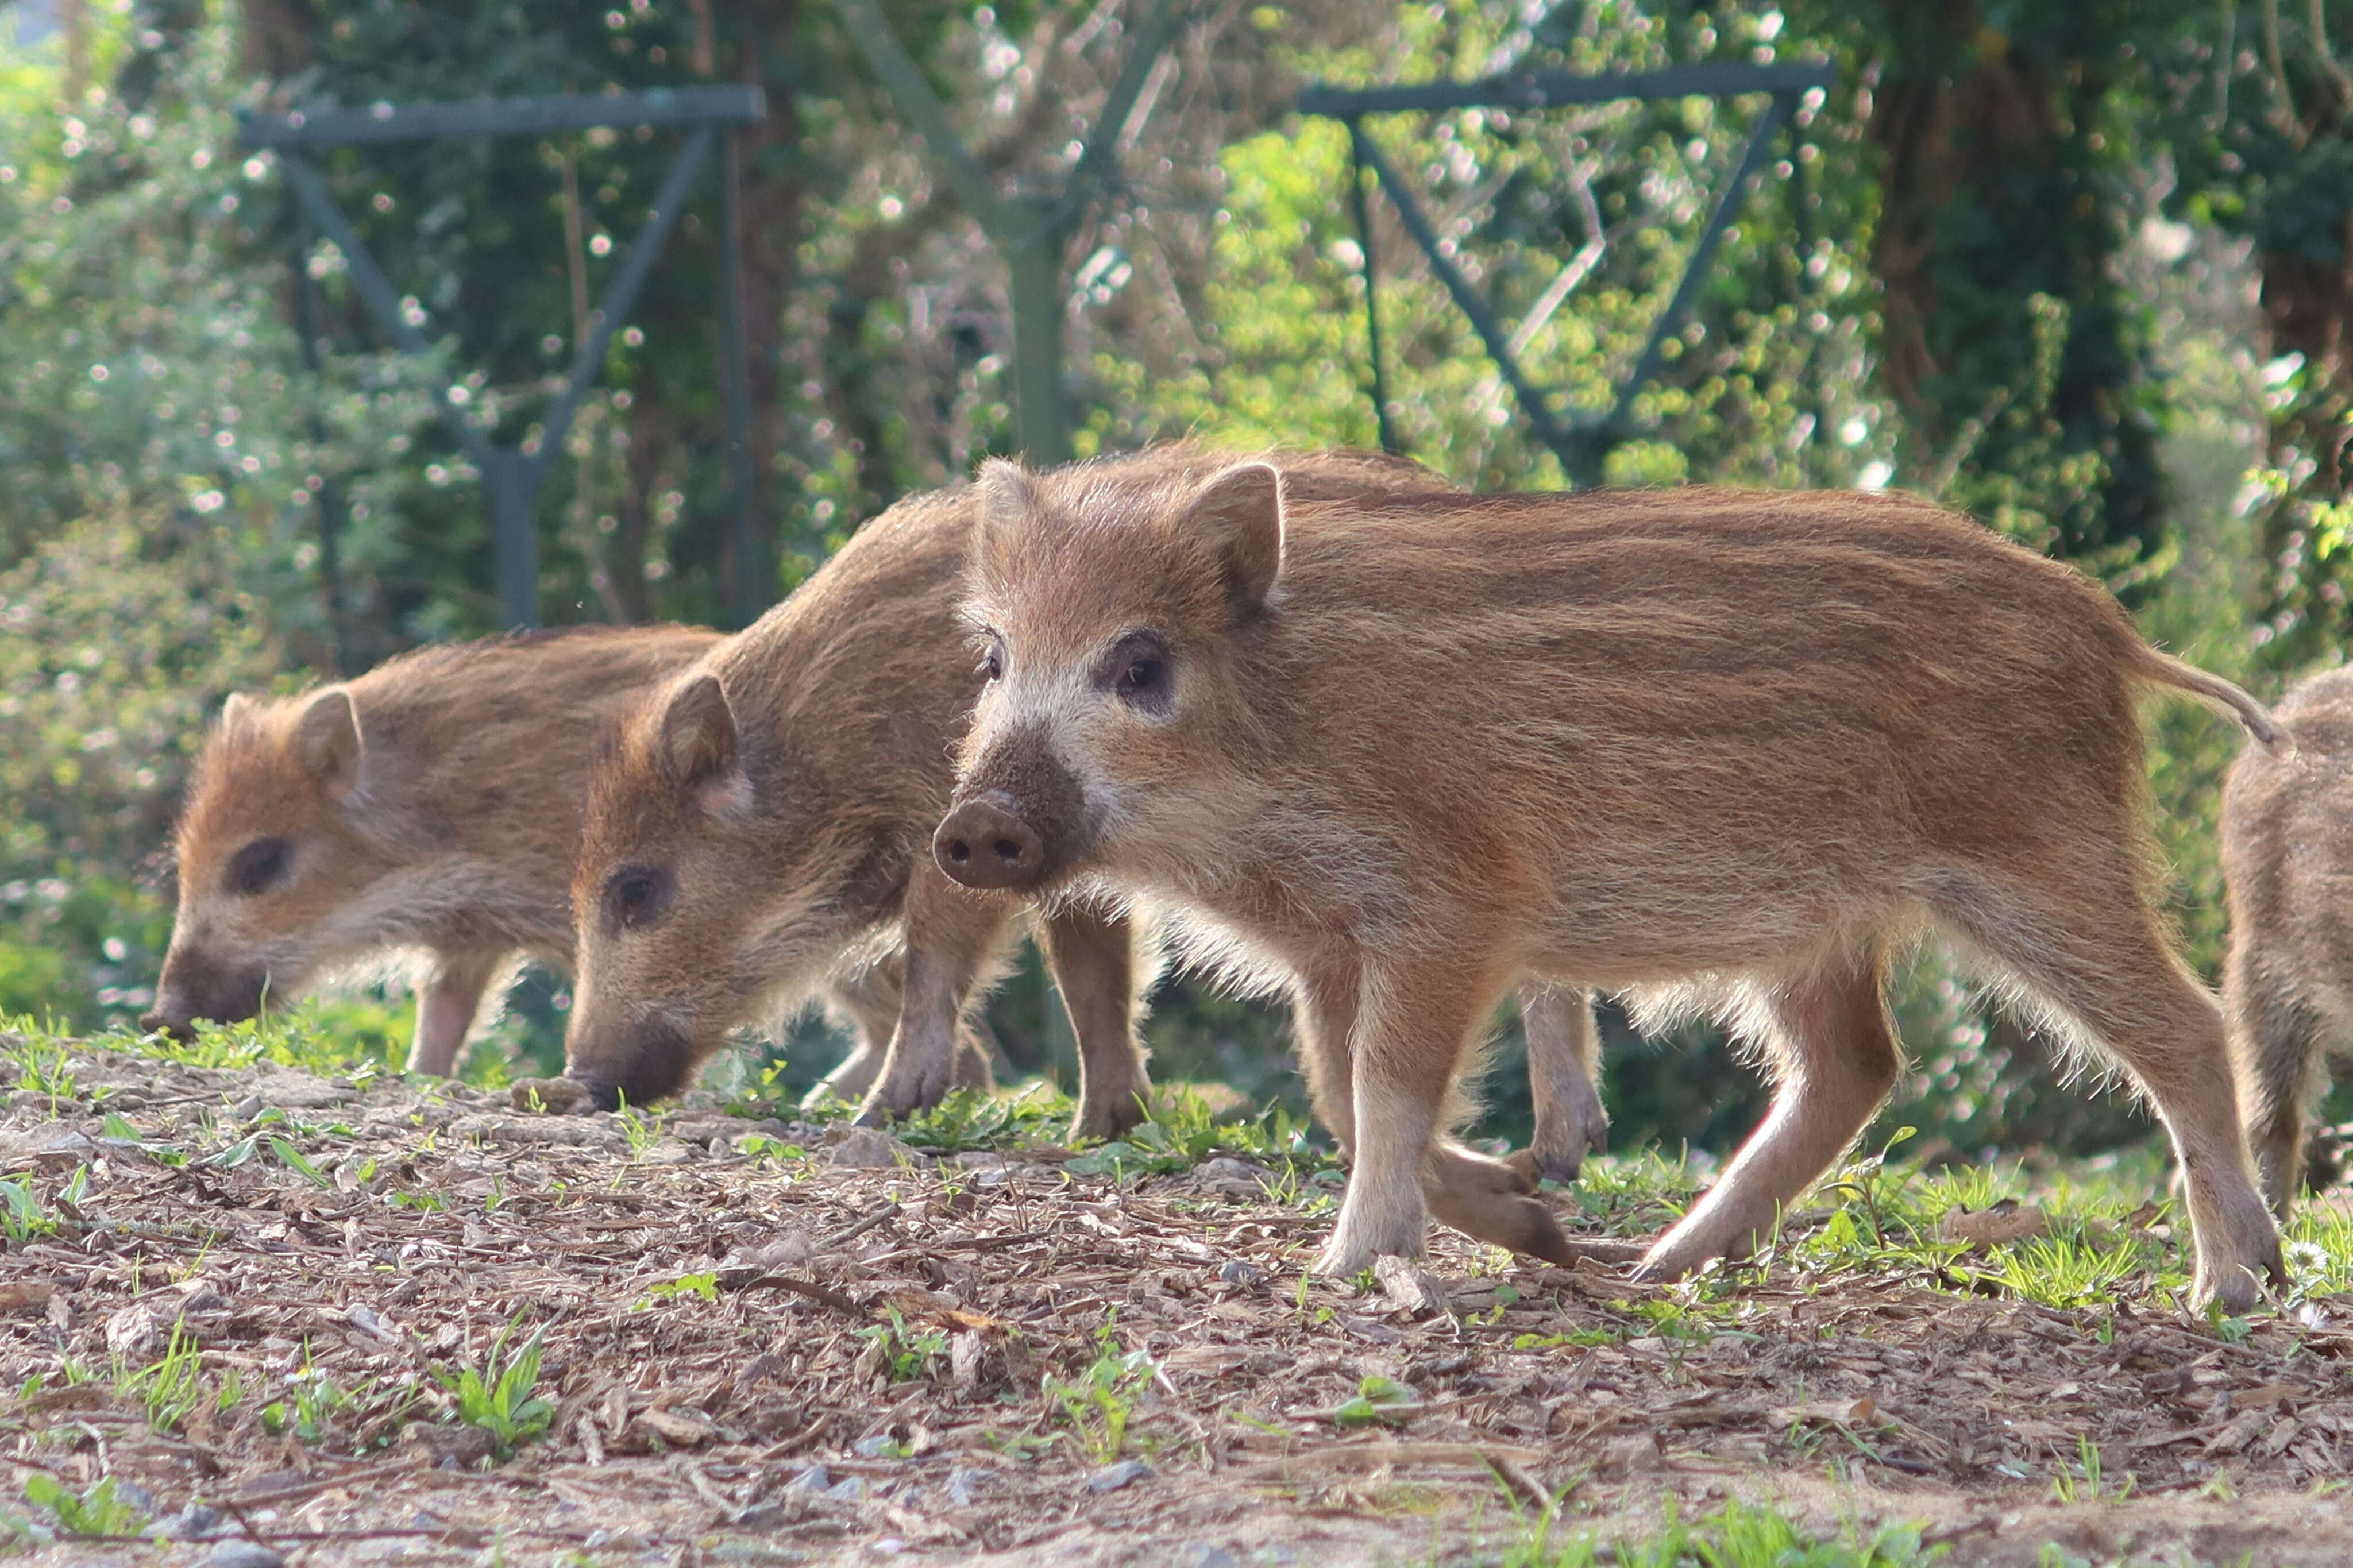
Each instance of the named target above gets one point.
<point>512,476</point>
<point>1581,445</point>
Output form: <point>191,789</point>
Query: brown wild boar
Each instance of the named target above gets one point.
<point>2287,857</point>
<point>768,811</point>
<point>1692,744</point>
<point>429,807</point>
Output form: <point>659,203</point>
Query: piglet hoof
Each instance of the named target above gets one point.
<point>2238,1288</point>
<point>1106,1117</point>
<point>1540,1235</point>
<point>1668,1259</point>
<point>1530,1169</point>
<point>2236,1293</point>
<point>1343,1260</point>
<point>552,1096</point>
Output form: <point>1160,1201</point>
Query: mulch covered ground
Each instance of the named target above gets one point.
<point>866,1353</point>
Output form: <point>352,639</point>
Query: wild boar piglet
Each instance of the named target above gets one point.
<point>2287,860</point>
<point>760,821</point>
<point>428,808</point>
<point>1705,747</point>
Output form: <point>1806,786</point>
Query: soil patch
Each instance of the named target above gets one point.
<point>767,1343</point>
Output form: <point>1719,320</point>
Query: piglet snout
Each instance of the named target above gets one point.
<point>985,843</point>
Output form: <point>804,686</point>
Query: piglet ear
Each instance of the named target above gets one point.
<point>237,709</point>
<point>1009,494</point>
<point>699,737</point>
<point>327,742</point>
<point>1238,516</point>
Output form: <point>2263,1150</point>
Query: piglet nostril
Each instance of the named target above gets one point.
<point>959,851</point>
<point>1008,851</point>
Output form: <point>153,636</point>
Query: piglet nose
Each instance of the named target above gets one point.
<point>170,1024</point>
<point>984,843</point>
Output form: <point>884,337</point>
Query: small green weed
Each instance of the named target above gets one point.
<point>354,1038</point>
<point>22,1217</point>
<point>97,1511</point>
<point>498,1397</point>
<point>2086,1482</point>
<point>906,1355</point>
<point>1379,1402</point>
<point>308,1410</point>
<point>2068,1271</point>
<point>1098,1405</point>
<point>171,1388</point>
<point>46,1066</point>
<point>703,1285</point>
<point>643,1132</point>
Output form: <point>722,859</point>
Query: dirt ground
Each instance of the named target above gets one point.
<point>861,1354</point>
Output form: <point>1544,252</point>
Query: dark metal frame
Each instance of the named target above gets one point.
<point>1580,444</point>
<point>512,476</point>
<point>1032,229</point>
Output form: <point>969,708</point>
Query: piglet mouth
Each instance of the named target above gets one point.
<point>192,990</point>
<point>651,1062</point>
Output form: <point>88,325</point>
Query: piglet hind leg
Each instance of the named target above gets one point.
<point>1833,1055</point>
<point>1564,1078</point>
<point>951,936</point>
<point>1092,957</point>
<point>2093,950</point>
<point>449,995</point>
<point>2277,1055</point>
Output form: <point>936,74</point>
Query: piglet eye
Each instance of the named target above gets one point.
<point>635,896</point>
<point>257,867</point>
<point>993,665</point>
<point>1140,677</point>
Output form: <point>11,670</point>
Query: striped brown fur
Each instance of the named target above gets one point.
<point>2287,858</point>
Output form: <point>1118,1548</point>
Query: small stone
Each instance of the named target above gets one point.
<point>815,1479</point>
<point>552,1096</point>
<point>26,1294</point>
<point>452,1447</point>
<point>680,1426</point>
<point>239,1552</point>
<point>1409,1287</point>
<point>293,1090</point>
<point>866,1149</point>
<point>135,1334</point>
<point>1111,1477</point>
<point>1242,1275</point>
<point>875,1448</point>
<point>849,1489</point>
<point>963,1482</point>
<point>1205,1554</point>
<point>193,1522</point>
